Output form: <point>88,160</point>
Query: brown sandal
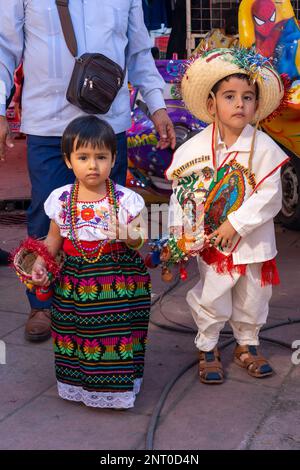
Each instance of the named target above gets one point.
<point>210,367</point>
<point>256,365</point>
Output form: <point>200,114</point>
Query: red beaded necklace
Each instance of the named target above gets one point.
<point>113,211</point>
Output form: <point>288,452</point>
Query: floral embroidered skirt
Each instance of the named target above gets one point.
<point>100,316</point>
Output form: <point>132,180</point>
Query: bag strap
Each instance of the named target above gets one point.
<point>67,25</point>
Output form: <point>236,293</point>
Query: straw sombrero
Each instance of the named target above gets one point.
<point>205,71</point>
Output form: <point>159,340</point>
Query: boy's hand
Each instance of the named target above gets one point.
<point>223,235</point>
<point>40,275</point>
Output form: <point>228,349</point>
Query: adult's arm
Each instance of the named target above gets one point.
<point>11,51</point>
<point>11,45</point>
<point>143,74</point>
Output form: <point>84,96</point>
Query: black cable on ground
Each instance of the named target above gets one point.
<point>183,328</point>
<point>157,410</point>
<point>166,291</point>
<point>276,341</point>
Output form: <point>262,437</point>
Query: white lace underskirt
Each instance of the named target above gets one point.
<point>100,399</point>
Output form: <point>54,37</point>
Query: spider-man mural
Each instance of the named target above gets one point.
<point>271,25</point>
<point>267,30</point>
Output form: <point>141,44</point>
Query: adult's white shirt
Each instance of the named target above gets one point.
<point>30,30</point>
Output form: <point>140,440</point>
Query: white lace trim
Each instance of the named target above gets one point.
<point>100,399</point>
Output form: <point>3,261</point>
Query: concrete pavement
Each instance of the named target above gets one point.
<point>243,413</point>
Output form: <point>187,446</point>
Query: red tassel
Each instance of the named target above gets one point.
<point>183,273</point>
<point>269,273</point>
<point>224,265</point>
<point>221,263</point>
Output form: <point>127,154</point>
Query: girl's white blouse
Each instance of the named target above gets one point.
<point>92,217</point>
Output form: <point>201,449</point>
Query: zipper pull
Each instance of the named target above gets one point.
<point>85,82</point>
<point>91,84</point>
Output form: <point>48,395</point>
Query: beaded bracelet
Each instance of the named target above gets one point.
<point>141,243</point>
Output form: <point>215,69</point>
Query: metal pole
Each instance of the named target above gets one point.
<point>188,28</point>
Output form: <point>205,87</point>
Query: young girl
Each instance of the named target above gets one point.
<point>101,301</point>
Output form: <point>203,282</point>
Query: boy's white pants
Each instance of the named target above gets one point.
<point>218,298</point>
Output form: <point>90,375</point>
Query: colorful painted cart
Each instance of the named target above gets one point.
<point>273,28</point>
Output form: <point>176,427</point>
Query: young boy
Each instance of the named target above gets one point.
<point>241,193</point>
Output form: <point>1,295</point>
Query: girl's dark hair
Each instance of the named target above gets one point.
<point>241,76</point>
<point>88,130</point>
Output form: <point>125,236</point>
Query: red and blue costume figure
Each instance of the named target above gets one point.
<point>272,27</point>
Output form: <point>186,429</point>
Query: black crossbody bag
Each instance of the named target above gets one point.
<point>95,79</point>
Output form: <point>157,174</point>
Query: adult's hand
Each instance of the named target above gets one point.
<point>165,129</point>
<point>5,137</point>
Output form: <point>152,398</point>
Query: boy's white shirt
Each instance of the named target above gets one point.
<point>253,220</point>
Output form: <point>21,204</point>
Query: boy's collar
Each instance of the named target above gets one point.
<point>243,142</point>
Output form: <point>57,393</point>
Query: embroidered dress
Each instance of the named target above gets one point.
<point>100,311</point>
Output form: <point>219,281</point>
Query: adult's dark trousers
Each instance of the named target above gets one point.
<point>47,172</point>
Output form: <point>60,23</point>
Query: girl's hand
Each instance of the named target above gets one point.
<point>40,274</point>
<point>123,232</point>
<point>112,231</point>
<point>223,235</point>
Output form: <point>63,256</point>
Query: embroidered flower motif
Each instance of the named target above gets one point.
<point>65,287</point>
<point>119,285</point>
<point>125,348</point>
<point>87,289</point>
<point>78,340</point>
<point>119,194</point>
<point>55,347</point>
<point>64,196</point>
<point>80,354</point>
<point>102,212</point>
<point>65,345</point>
<point>87,213</point>
<point>92,349</point>
<point>130,286</point>
<point>63,214</point>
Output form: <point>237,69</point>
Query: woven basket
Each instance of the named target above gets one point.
<point>24,260</point>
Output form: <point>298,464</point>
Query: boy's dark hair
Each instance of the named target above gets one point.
<point>88,130</point>
<point>241,76</point>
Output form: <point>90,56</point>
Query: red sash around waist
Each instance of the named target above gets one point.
<point>224,265</point>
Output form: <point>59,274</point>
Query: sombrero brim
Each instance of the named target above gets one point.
<point>206,71</point>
